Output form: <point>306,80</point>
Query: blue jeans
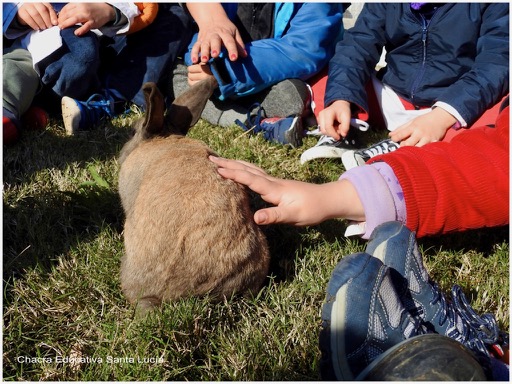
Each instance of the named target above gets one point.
<point>86,65</point>
<point>148,55</point>
<point>73,69</point>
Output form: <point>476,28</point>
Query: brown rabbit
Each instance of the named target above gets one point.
<point>188,231</point>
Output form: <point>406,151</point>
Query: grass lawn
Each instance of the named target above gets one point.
<point>65,318</point>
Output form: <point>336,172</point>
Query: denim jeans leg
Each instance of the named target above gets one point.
<point>148,55</point>
<point>73,69</point>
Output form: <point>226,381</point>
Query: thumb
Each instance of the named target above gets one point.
<point>268,216</point>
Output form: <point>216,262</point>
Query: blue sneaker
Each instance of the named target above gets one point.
<point>362,317</point>
<point>84,115</point>
<point>284,130</point>
<point>395,245</point>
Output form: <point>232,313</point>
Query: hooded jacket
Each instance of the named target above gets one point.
<point>460,56</point>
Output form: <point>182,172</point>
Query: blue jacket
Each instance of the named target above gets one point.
<point>304,41</point>
<point>461,57</point>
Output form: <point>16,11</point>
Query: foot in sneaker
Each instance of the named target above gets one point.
<point>358,157</point>
<point>395,245</point>
<point>284,130</point>
<point>10,130</point>
<point>430,357</point>
<point>35,119</point>
<point>362,317</point>
<point>330,148</point>
<point>84,115</point>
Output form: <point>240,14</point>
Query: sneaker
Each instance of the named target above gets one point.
<point>284,130</point>
<point>362,317</point>
<point>429,357</point>
<point>328,147</point>
<point>35,118</point>
<point>395,245</point>
<point>10,130</point>
<point>352,159</point>
<point>82,116</point>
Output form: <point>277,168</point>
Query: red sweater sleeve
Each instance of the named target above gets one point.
<point>463,184</point>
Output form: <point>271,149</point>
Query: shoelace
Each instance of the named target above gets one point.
<point>254,122</point>
<point>485,325</point>
<point>478,332</point>
<point>326,140</point>
<point>101,103</point>
<point>380,148</point>
<point>95,108</point>
<point>349,140</point>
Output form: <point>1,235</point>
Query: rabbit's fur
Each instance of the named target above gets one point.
<point>188,231</point>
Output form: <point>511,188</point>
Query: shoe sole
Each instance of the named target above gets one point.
<point>335,314</point>
<point>70,115</point>
<point>418,359</point>
<point>350,160</point>
<point>293,136</point>
<point>322,153</point>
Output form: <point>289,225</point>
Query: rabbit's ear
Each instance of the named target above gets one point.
<point>155,109</point>
<point>186,110</point>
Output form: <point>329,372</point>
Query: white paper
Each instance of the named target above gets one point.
<point>42,44</point>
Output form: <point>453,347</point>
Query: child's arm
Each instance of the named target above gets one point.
<point>296,202</point>
<point>457,185</point>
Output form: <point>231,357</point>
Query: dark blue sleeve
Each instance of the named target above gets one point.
<point>487,82</point>
<point>356,56</point>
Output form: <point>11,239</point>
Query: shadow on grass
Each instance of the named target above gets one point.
<point>479,240</point>
<point>41,222</point>
<point>39,228</point>
<point>51,149</point>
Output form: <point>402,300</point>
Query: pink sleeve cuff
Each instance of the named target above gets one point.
<point>380,193</point>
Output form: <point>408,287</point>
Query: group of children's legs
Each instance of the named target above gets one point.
<point>108,69</point>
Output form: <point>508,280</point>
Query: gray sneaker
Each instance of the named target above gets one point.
<point>352,159</point>
<point>362,317</point>
<point>395,245</point>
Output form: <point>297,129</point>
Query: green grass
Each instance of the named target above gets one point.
<point>62,246</point>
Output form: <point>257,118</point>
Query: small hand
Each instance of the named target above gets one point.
<point>424,129</point>
<point>198,72</point>
<point>215,31</point>
<point>334,120</point>
<point>37,16</point>
<point>295,202</point>
<point>90,15</point>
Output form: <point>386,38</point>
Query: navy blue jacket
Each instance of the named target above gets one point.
<point>460,57</point>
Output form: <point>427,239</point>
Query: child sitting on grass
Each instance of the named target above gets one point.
<point>446,65</point>
<point>438,188</point>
